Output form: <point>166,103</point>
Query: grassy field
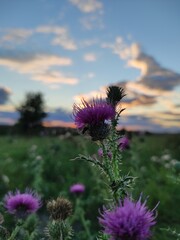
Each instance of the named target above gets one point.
<point>45,164</point>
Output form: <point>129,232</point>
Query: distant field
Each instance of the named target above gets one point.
<point>44,164</point>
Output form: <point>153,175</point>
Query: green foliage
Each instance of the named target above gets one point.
<point>59,230</point>
<point>45,165</point>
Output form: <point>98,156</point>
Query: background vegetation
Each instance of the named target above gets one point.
<point>45,164</point>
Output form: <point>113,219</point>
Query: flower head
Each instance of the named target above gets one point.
<point>59,209</point>
<point>22,204</point>
<point>77,188</point>
<point>128,221</point>
<point>114,95</point>
<point>123,143</point>
<point>92,117</point>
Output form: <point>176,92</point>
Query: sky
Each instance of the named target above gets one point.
<point>69,49</point>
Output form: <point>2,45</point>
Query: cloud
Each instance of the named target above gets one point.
<point>90,57</point>
<point>87,6</point>
<point>146,123</point>
<point>62,37</point>
<point>59,114</point>
<point>139,100</point>
<point>16,35</point>
<point>8,117</point>
<point>91,75</point>
<point>4,95</point>
<point>131,99</point>
<point>92,22</point>
<point>88,42</point>
<point>37,65</point>
<point>55,77</point>
<point>153,76</point>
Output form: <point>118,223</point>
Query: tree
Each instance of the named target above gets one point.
<point>31,113</point>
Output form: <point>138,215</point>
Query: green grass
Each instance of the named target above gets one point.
<point>44,163</point>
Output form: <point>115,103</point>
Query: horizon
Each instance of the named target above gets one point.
<point>73,49</point>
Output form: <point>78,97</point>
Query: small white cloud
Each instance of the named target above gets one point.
<point>62,37</point>
<point>122,49</point>
<point>87,6</point>
<point>90,57</point>
<point>91,75</point>
<point>50,77</point>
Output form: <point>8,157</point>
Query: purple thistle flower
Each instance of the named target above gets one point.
<point>92,113</point>
<point>22,204</point>
<point>100,152</point>
<point>123,143</point>
<point>77,188</point>
<point>128,221</point>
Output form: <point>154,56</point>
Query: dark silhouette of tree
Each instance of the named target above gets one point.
<point>31,113</point>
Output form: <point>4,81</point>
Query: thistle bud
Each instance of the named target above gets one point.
<point>59,209</point>
<point>114,95</point>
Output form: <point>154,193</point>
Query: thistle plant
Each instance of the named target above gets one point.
<point>121,217</point>
<point>125,218</point>
<point>21,205</point>
<point>79,214</point>
<point>99,119</point>
<point>59,227</point>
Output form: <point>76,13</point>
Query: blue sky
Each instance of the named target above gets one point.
<point>70,49</point>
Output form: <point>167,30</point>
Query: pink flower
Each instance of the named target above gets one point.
<point>130,220</point>
<point>22,204</point>
<point>77,188</point>
<point>123,143</point>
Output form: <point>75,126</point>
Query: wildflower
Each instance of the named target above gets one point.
<point>128,221</point>
<point>77,188</point>
<point>93,116</point>
<point>100,153</point>
<point>22,204</point>
<point>59,209</point>
<point>114,95</point>
<point>123,143</point>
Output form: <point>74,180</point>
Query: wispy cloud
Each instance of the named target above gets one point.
<point>88,42</point>
<point>24,62</point>
<point>38,66</point>
<point>90,57</point>
<point>87,6</point>
<point>153,76</point>
<point>50,77</point>
<point>91,75</point>
<point>61,36</point>
<point>94,21</point>
<point>16,35</point>
<point>93,10</point>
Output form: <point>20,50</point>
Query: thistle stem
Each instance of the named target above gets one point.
<point>83,221</point>
<point>14,233</point>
